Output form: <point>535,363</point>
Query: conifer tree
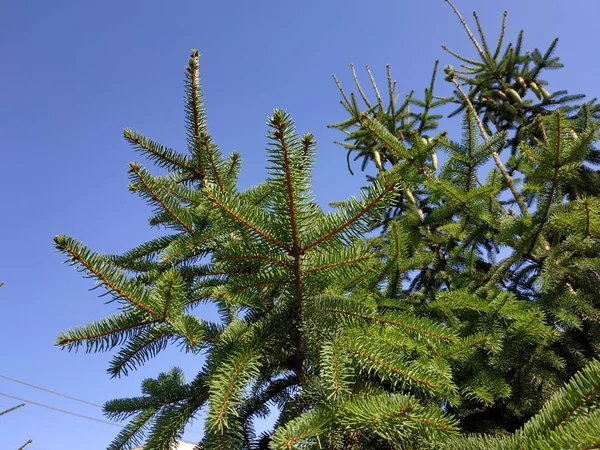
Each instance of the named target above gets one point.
<point>536,186</point>
<point>402,341</point>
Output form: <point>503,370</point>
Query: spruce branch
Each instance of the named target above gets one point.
<point>483,54</point>
<point>497,160</point>
<point>101,269</point>
<point>155,193</point>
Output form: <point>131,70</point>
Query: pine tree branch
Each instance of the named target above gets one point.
<point>497,160</point>
<point>375,89</point>
<point>194,105</point>
<point>158,153</point>
<point>65,341</point>
<point>280,124</point>
<point>235,157</point>
<point>400,321</point>
<point>258,258</point>
<point>65,245</point>
<point>211,161</point>
<point>339,86</point>
<point>469,33</point>
<point>587,218</point>
<point>139,349</point>
<point>338,264</point>
<point>364,210</point>
<point>136,169</point>
<point>133,432</point>
<point>390,368</point>
<point>179,192</point>
<point>246,223</point>
<point>361,92</point>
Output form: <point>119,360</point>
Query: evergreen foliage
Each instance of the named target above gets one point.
<point>411,339</point>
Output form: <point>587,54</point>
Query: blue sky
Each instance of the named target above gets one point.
<point>74,74</point>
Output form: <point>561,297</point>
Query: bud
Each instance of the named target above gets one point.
<point>545,93</point>
<point>514,95</point>
<point>536,90</point>
<point>410,196</point>
<point>377,159</point>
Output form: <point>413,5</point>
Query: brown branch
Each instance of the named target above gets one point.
<point>336,382</point>
<point>178,194</point>
<point>470,166</point>
<point>389,322</point>
<point>554,185</point>
<point>339,86</point>
<point>454,352</point>
<point>578,405</point>
<point>234,159</point>
<point>587,218</point>
<point>296,251</point>
<point>358,278</point>
<point>255,258</point>
<point>107,282</point>
<point>209,155</point>
<point>360,91</point>
<point>338,263</point>
<point>245,222</point>
<point>223,407</point>
<point>469,33</point>
<point>497,160</point>
<point>350,221</point>
<point>280,124</point>
<point>257,284</point>
<point>168,299</point>
<point>67,341</point>
<point>374,84</point>
<point>132,138</point>
<point>135,169</point>
<point>394,370</point>
<point>194,101</point>
<point>434,424</point>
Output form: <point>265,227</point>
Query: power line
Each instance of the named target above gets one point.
<point>82,416</point>
<point>14,380</point>
<point>64,411</point>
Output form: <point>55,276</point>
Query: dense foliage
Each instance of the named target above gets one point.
<point>474,309</point>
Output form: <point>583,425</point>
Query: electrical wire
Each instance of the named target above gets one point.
<point>14,380</point>
<point>64,411</point>
<point>70,397</point>
<point>82,416</point>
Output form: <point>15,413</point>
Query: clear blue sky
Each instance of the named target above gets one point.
<point>74,74</point>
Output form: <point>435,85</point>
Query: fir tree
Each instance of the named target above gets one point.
<point>279,269</point>
<point>405,340</point>
<point>536,185</point>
